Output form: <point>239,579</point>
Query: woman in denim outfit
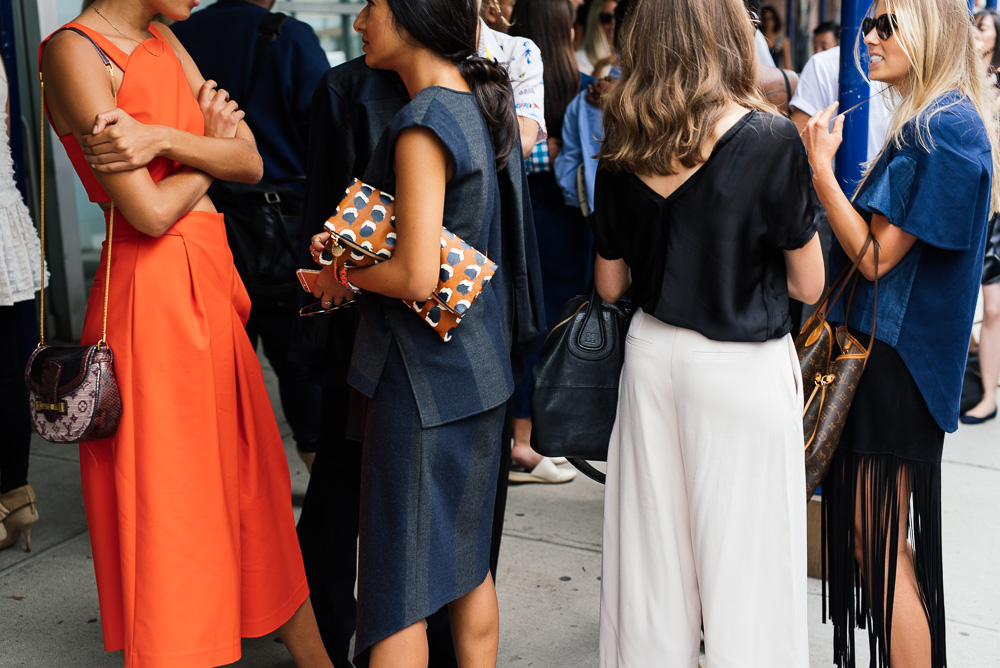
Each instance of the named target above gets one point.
<point>926,200</point>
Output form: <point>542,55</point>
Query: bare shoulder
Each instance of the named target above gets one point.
<point>68,49</point>
<point>78,85</point>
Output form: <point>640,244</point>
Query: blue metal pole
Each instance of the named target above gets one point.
<point>991,4</point>
<point>822,11</point>
<point>853,89</point>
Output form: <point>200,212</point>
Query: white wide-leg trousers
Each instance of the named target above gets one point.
<point>705,509</point>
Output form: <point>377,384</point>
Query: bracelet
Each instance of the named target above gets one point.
<point>342,277</point>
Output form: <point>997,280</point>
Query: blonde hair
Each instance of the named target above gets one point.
<point>595,42</point>
<point>936,38</point>
<point>682,62</point>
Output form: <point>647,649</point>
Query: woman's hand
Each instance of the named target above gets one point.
<point>821,143</point>
<point>119,143</point>
<point>329,289</point>
<point>222,115</point>
<point>318,245</point>
<point>597,89</point>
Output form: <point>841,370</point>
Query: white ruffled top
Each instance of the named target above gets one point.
<point>20,251</point>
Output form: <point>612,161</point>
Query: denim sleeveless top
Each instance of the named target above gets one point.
<point>471,373</point>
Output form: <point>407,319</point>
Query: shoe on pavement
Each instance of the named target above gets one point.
<point>965,418</point>
<point>545,472</point>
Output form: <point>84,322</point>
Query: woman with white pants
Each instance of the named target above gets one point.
<point>712,230</point>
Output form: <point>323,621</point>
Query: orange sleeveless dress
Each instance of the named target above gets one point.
<point>189,504</point>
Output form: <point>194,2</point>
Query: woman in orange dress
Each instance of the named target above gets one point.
<point>189,503</point>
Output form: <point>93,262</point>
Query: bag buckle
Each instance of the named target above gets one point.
<point>58,407</point>
<point>272,198</point>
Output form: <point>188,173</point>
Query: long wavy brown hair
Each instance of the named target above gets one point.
<point>682,62</point>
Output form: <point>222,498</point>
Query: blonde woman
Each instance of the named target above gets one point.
<point>594,57</point>
<point>926,199</point>
<point>704,209</point>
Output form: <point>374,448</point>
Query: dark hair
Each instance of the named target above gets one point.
<point>621,11</point>
<point>991,14</point>
<point>828,26</point>
<point>448,28</point>
<point>549,24</point>
<point>768,9</point>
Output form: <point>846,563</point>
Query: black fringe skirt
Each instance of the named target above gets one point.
<point>889,463</point>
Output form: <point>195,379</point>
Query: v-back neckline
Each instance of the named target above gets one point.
<point>690,180</point>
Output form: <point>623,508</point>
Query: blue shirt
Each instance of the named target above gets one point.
<point>582,133</point>
<point>926,303</point>
<point>221,40</point>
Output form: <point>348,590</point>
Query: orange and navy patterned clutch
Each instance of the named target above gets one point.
<point>364,228</point>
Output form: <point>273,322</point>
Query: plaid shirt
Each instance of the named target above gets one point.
<point>538,160</point>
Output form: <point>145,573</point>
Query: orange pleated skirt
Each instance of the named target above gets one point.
<point>189,503</point>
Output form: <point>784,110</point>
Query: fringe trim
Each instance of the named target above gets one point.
<point>862,597</point>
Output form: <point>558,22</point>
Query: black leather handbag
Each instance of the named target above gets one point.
<point>991,263</point>
<point>575,392</point>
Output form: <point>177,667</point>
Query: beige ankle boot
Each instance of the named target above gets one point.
<point>17,515</point>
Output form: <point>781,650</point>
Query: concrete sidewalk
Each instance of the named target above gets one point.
<point>548,581</point>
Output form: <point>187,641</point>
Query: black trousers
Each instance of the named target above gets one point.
<point>328,528</point>
<point>274,323</point>
<point>18,337</point>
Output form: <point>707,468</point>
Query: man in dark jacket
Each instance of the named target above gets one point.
<point>270,65</point>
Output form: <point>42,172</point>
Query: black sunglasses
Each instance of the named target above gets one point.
<point>605,17</point>
<point>883,25</point>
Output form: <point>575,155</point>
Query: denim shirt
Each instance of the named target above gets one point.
<point>926,303</point>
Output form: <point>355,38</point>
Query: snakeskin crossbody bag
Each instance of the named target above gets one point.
<point>362,233</point>
<point>74,396</point>
<point>830,380</point>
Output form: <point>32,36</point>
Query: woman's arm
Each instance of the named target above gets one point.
<point>227,151</point>
<point>806,274</point>
<point>527,129</point>
<point>78,88</point>
<point>423,168</point>
<point>612,278</point>
<point>851,229</point>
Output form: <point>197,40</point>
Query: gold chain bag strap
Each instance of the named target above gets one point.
<point>74,396</point>
<point>830,380</point>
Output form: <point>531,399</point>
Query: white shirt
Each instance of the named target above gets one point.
<point>763,53</point>
<point>523,61</point>
<point>819,87</point>
<point>583,62</point>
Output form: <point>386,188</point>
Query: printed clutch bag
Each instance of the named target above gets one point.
<point>364,227</point>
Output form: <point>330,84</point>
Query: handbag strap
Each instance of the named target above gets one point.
<point>850,299</point>
<point>111,223</point>
<point>268,31</point>
<point>837,287</point>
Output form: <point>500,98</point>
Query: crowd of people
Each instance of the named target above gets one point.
<point>661,150</point>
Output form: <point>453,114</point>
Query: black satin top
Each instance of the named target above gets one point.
<point>709,256</point>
